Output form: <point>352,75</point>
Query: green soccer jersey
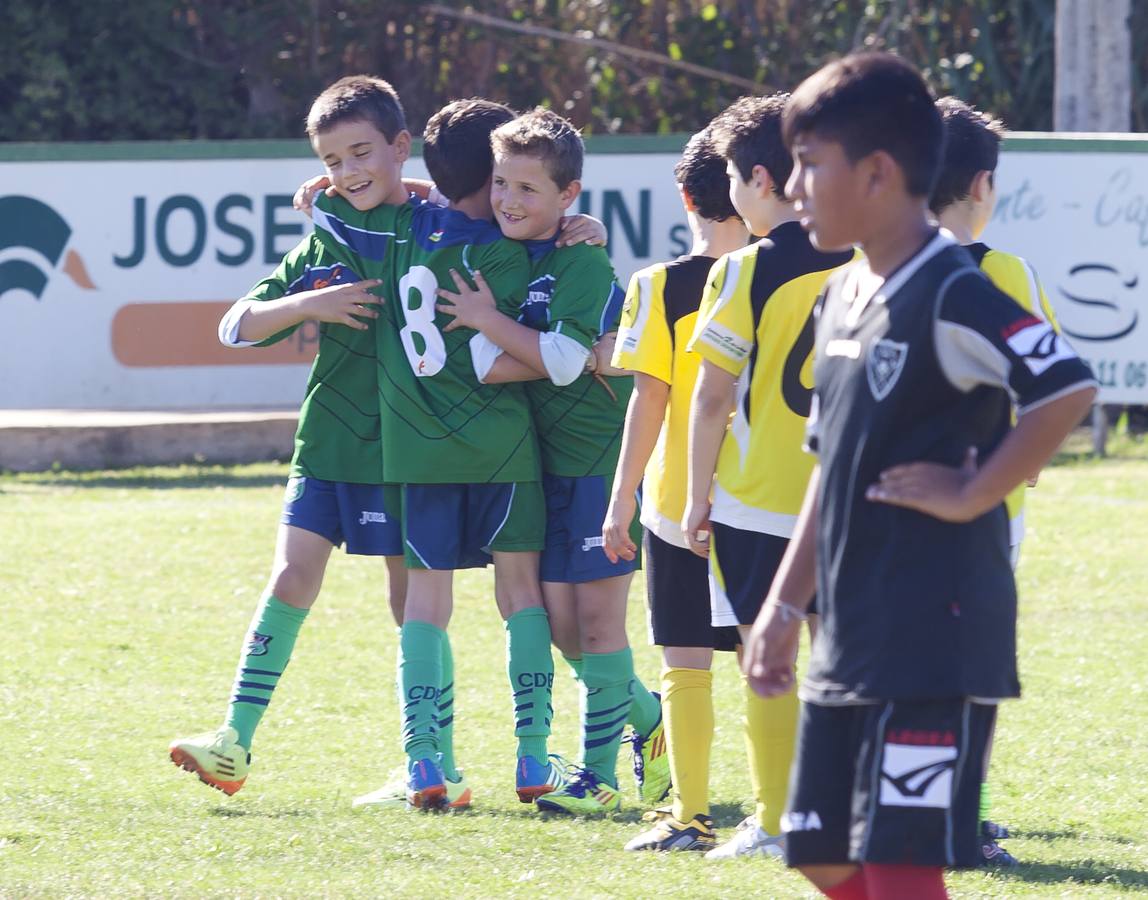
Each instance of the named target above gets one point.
<point>338,434</point>
<point>573,292</point>
<point>440,424</point>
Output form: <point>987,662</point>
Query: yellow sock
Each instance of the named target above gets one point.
<point>688,710</point>
<point>770,736</point>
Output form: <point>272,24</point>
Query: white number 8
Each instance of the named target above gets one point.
<point>418,312</point>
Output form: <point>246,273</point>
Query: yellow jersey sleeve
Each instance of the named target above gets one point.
<point>644,341</point>
<point>1018,279</point>
<point>724,333</point>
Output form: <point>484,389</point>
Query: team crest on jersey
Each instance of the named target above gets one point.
<point>884,365</point>
<point>257,646</point>
<point>536,307</point>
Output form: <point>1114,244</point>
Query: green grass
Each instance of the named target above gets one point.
<point>125,598</point>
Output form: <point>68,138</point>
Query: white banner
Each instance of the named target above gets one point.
<point>113,274</point>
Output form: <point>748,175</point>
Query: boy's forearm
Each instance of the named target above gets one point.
<point>264,319</point>
<point>1027,447</point>
<point>796,580</point>
<point>519,340</point>
<point>644,417</point>
<point>507,369</point>
<point>710,407</point>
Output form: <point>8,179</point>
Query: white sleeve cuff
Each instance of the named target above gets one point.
<point>229,324</point>
<point>483,353</point>
<point>564,358</point>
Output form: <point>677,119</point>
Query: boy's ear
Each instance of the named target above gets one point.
<point>761,180</point>
<point>880,171</point>
<point>402,145</point>
<point>569,194</point>
<point>687,200</point>
<point>982,186</point>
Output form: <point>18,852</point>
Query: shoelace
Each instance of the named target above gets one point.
<point>637,742</point>
<point>582,783</point>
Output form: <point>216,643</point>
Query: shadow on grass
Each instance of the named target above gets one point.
<point>1076,872</point>
<point>158,479</point>
<point>234,812</point>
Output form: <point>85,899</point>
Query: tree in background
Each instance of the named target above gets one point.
<point>158,69</point>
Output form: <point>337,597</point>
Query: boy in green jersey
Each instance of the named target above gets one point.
<point>336,493</point>
<point>465,452</point>
<point>548,342</point>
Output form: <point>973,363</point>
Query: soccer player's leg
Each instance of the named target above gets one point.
<point>310,528</point>
<point>677,594</point>
<point>742,566</point>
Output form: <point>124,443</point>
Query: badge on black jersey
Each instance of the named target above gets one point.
<point>884,365</point>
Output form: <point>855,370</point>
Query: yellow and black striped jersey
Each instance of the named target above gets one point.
<point>1016,278</point>
<point>657,321</point>
<point>756,322</point>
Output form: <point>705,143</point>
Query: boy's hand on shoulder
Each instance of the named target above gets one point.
<point>304,199</point>
<point>616,528</point>
<point>581,229</point>
<point>469,306</point>
<point>936,490</point>
<point>339,304</point>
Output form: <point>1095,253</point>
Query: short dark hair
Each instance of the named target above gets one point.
<point>547,136</point>
<point>456,145</point>
<point>358,98</point>
<point>972,145</point>
<point>701,173</point>
<point>868,102</point>
<point>749,134</point>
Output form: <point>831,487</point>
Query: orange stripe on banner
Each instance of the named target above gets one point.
<point>186,334</point>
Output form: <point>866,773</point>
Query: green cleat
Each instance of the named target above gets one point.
<point>216,757</point>
<point>651,764</point>
<point>585,794</point>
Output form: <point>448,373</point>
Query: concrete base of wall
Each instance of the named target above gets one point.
<point>39,440</point>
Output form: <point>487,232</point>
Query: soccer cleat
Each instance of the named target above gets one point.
<point>393,795</point>
<point>533,778</point>
<point>585,794</point>
<point>670,834</point>
<point>426,787</point>
<point>750,839</point>
<point>651,763</point>
<point>216,757</point>
<point>995,856</point>
<point>993,831</point>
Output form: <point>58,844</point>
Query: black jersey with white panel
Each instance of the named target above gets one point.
<point>913,607</point>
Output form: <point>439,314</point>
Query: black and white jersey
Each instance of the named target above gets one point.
<point>913,607</point>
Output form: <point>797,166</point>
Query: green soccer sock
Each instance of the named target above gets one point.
<point>420,674</point>
<point>266,651</point>
<point>575,664</point>
<point>531,670</point>
<point>646,711</point>
<point>446,712</point>
<point>607,703</point>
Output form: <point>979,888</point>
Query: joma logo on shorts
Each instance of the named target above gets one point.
<point>592,542</point>
<point>366,517</point>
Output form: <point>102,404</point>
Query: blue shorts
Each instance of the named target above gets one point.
<point>459,526</point>
<point>575,509</point>
<point>365,517</point>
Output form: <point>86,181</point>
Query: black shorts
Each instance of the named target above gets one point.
<point>896,783</point>
<point>678,598</point>
<point>742,566</point>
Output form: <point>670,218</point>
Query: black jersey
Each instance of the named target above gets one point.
<point>913,607</point>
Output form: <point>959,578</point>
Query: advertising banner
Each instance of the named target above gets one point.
<point>114,271</point>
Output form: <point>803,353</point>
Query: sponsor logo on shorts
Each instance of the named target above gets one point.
<point>369,517</point>
<point>257,644</point>
<point>798,820</point>
<point>591,542</point>
<point>884,365</point>
<point>1038,344</point>
<point>295,488</point>
<point>915,775</point>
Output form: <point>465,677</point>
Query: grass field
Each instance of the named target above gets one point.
<point>125,599</point>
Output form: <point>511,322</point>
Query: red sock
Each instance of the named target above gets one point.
<point>904,882</point>
<point>853,888</point>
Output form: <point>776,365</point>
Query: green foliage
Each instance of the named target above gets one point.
<point>156,69</point>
